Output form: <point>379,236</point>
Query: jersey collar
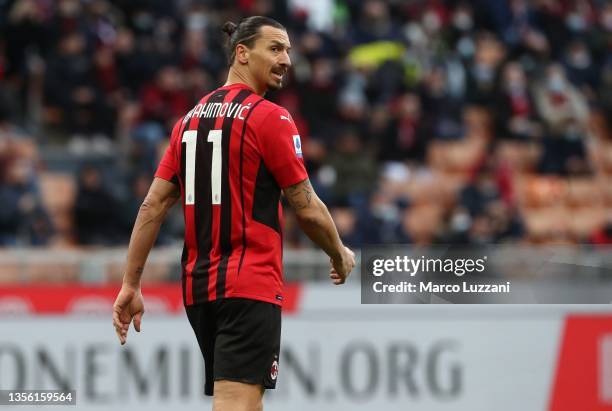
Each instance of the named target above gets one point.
<point>237,85</point>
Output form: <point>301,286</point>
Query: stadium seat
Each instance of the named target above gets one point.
<point>547,225</point>
<point>422,222</point>
<point>518,156</point>
<point>477,122</point>
<point>457,156</point>
<point>583,222</point>
<point>601,153</point>
<point>598,125</point>
<point>583,192</point>
<point>605,187</point>
<point>431,189</point>
<point>540,191</point>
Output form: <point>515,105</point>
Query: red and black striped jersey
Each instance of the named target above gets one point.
<point>231,155</point>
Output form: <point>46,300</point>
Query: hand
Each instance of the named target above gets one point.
<point>128,306</point>
<point>341,268</point>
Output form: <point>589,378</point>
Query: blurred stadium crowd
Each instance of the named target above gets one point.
<point>422,121</point>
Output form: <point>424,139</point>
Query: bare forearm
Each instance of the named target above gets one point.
<point>144,234</point>
<point>161,197</point>
<point>320,228</point>
<point>314,218</point>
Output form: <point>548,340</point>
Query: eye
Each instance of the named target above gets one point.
<point>274,49</point>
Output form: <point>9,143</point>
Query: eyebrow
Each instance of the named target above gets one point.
<point>278,43</point>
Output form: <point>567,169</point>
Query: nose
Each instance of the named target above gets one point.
<point>285,60</point>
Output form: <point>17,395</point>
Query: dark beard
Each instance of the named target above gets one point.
<point>275,86</point>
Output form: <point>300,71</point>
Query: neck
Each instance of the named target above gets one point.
<point>240,76</point>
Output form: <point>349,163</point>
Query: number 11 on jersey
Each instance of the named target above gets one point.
<point>190,137</point>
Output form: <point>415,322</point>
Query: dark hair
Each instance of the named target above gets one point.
<point>246,32</point>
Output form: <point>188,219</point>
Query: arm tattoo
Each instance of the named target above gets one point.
<point>300,195</point>
<point>139,269</point>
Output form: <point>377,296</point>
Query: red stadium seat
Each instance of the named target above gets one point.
<point>583,192</point>
<point>519,157</point>
<point>457,157</point>
<point>432,189</point>
<point>583,222</point>
<point>547,225</point>
<point>422,222</point>
<point>540,191</point>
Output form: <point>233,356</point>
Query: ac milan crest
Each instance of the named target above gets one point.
<point>274,370</point>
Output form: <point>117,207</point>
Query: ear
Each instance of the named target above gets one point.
<point>242,54</point>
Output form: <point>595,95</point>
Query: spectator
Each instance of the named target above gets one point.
<point>406,136</point>
<point>564,111</point>
<point>561,106</point>
<point>139,188</point>
<point>482,72</point>
<point>72,88</point>
<point>477,195</point>
<point>375,24</point>
<point>353,168</point>
<point>346,220</point>
<point>95,212</point>
<point>23,219</point>
<point>415,82</point>
<point>163,102</point>
<point>516,112</point>
<point>580,68</point>
<point>441,108</point>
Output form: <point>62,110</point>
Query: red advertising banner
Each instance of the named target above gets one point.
<point>583,380</point>
<point>82,299</point>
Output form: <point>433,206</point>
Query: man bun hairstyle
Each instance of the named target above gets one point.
<point>229,28</point>
<point>246,32</point>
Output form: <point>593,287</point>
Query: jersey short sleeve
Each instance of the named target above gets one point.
<point>168,168</point>
<point>281,148</point>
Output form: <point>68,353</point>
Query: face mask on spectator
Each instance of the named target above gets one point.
<point>385,211</point>
<point>576,22</point>
<point>466,47</point>
<point>580,59</point>
<point>556,83</point>
<point>460,221</point>
<point>431,22</point>
<point>197,21</point>
<point>463,21</point>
